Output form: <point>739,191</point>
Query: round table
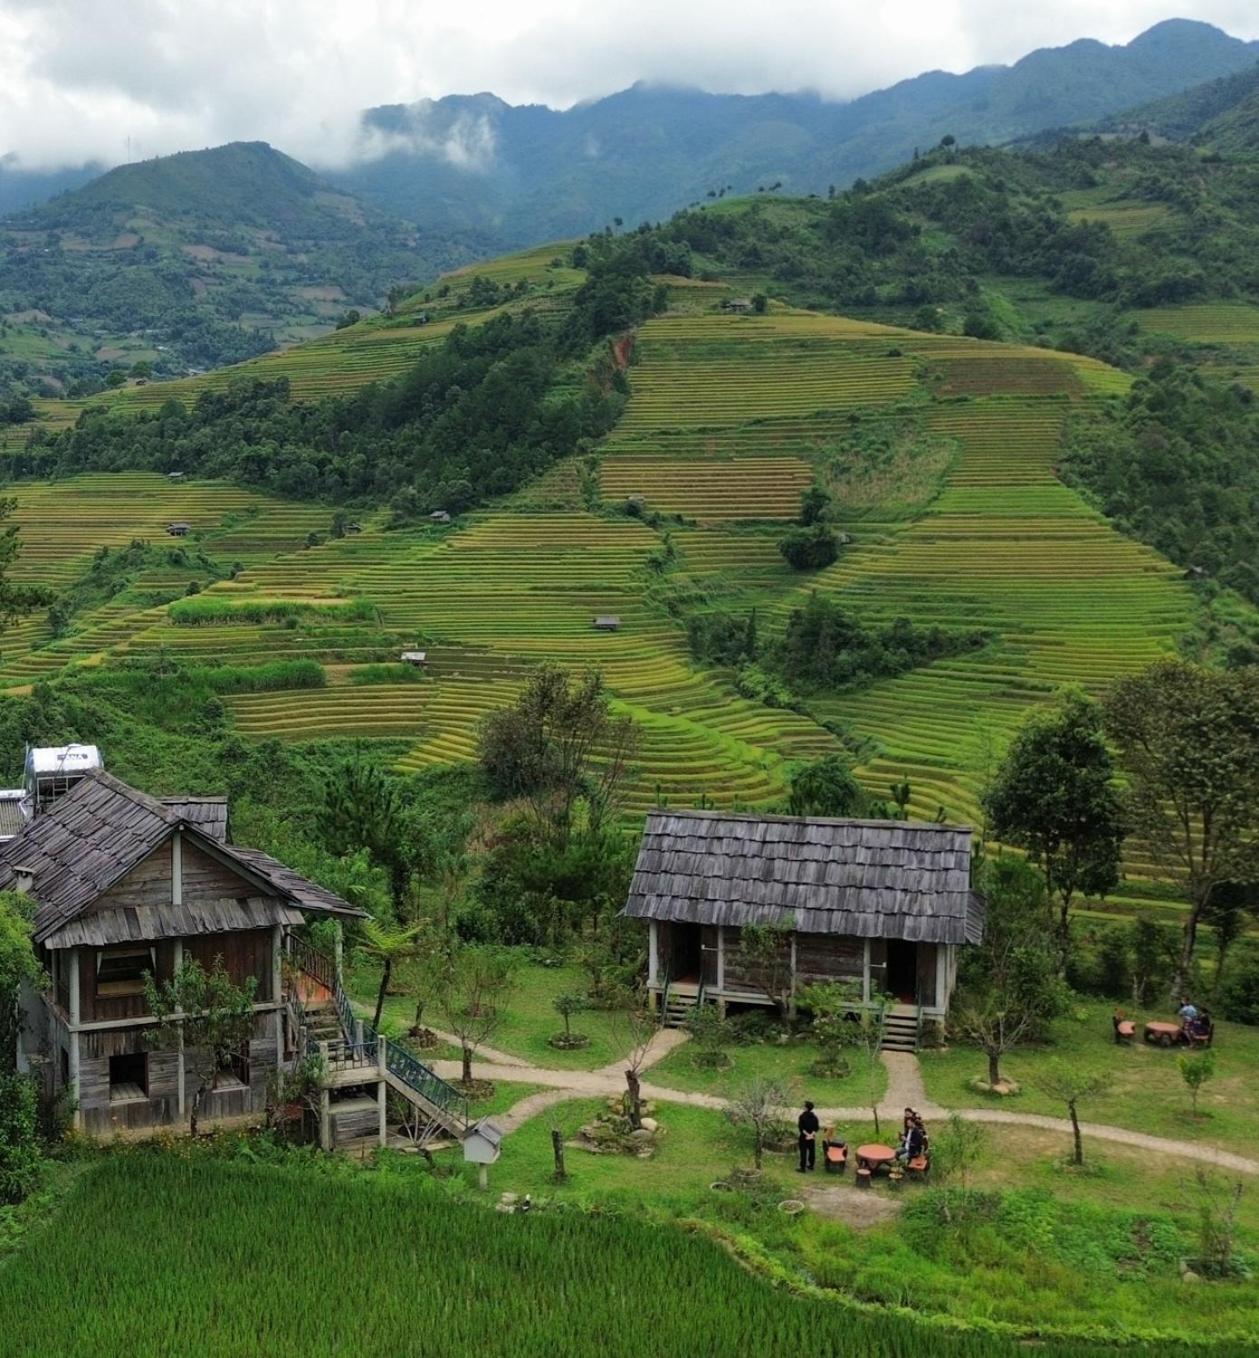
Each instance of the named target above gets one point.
<point>874,1157</point>
<point>1162,1033</point>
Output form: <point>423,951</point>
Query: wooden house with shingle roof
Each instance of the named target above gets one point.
<point>881,904</point>
<point>126,885</point>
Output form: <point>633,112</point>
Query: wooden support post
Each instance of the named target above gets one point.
<point>338,949</point>
<point>865,972</point>
<point>653,953</point>
<point>181,1094</point>
<point>483,1177</point>
<point>75,1011</point>
<point>382,1096</point>
<point>325,1120</point>
<point>557,1149</point>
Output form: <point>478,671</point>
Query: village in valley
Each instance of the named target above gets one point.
<point>640,748</point>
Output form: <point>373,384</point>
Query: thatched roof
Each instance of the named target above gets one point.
<point>862,878</point>
<point>90,838</point>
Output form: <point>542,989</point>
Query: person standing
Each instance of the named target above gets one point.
<point>808,1124</point>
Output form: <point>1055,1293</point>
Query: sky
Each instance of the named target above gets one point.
<point>116,80</point>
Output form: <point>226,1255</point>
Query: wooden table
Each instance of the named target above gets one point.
<point>874,1157</point>
<point>1162,1033</point>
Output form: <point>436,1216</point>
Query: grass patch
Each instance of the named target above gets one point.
<point>214,610</point>
<point>1146,1091</point>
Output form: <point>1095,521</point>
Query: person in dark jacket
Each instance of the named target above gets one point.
<point>808,1124</point>
<point>914,1142</point>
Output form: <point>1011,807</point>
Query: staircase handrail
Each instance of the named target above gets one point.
<point>407,1067</point>
<point>318,966</point>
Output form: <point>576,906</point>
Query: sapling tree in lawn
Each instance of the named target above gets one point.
<point>634,1027</point>
<point>758,1105</point>
<point>1055,796</point>
<point>1073,1086</point>
<point>18,967</point>
<point>1188,742</point>
<point>566,1005</point>
<point>1196,1068</point>
<point>871,1029</point>
<point>473,991</point>
<point>767,949</point>
<point>1011,987</point>
<point>206,1013</point>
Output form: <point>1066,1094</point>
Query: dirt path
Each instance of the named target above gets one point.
<point>905,1088</point>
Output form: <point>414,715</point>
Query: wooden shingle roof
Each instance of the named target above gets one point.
<point>862,878</point>
<point>98,831</point>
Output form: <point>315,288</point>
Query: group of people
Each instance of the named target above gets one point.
<point>1195,1023</point>
<point>914,1140</point>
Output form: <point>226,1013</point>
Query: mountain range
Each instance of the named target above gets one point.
<point>203,258</point>
<point>529,173</point>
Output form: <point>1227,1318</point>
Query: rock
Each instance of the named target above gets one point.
<point>509,1198</point>
<point>641,1134</point>
<point>504,1207</point>
<point>1189,1276</point>
<point>1003,1089</point>
<point>650,1125</point>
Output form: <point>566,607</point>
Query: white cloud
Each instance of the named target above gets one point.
<point>83,79</point>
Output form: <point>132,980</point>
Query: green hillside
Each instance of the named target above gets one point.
<point>940,453</point>
<point>191,261</point>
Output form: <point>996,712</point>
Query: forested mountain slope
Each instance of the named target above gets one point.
<point>523,174</point>
<point>192,260</point>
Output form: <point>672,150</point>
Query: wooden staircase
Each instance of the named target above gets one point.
<point>900,1032</point>
<point>355,1059</point>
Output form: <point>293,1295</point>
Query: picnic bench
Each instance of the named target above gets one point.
<point>834,1156</point>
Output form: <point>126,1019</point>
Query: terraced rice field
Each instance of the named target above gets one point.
<point>1209,323</point>
<point>729,419</point>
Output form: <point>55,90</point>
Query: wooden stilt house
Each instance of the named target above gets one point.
<point>884,905</point>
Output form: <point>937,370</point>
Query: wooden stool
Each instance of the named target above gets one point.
<point>863,1177</point>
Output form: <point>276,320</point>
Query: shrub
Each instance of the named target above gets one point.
<point>20,1157</point>
<point>809,549</point>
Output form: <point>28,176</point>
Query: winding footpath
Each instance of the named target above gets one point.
<point>904,1089</point>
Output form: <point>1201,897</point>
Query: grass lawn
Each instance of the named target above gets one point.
<point>505,1095</point>
<point>790,1064</point>
<point>1096,1248</point>
<point>529,1019</point>
<point>1147,1092</point>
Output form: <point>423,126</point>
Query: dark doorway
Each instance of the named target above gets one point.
<point>684,954</point>
<point>902,970</point>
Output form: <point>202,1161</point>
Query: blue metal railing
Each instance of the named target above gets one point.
<point>417,1076</point>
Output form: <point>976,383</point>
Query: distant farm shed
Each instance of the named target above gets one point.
<point>416,658</point>
<point>737,304</point>
<point>179,529</point>
<point>881,904</point>
<point>605,622</point>
<point>439,516</point>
